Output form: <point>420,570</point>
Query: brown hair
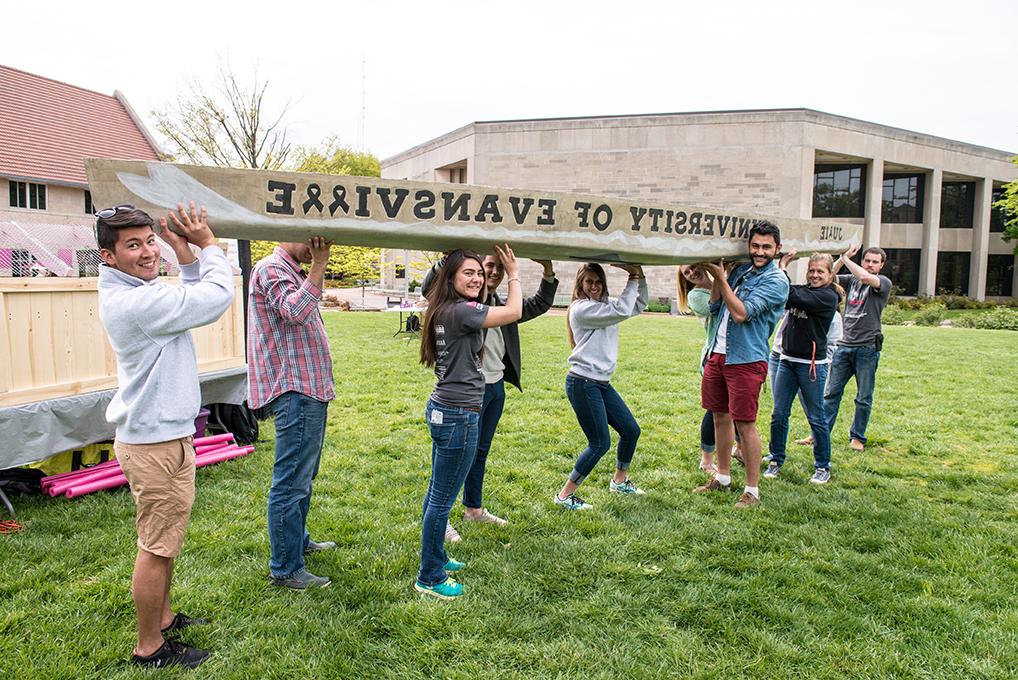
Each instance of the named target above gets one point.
<point>107,229</point>
<point>878,250</point>
<point>578,294</point>
<point>441,297</point>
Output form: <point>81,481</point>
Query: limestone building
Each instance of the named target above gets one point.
<point>926,200</point>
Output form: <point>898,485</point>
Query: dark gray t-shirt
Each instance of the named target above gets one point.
<point>863,308</point>
<point>458,340</point>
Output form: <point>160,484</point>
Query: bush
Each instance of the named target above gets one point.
<point>894,316</point>
<point>659,307</point>
<point>930,314</point>
<point>999,318</point>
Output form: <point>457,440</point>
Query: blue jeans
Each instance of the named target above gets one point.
<point>598,405</point>
<point>862,363</point>
<point>793,377</point>
<point>300,433</point>
<point>491,411</point>
<point>453,446</point>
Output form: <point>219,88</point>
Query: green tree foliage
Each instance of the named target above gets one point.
<point>335,159</point>
<point>1010,206</point>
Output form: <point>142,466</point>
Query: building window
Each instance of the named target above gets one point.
<point>957,204</point>
<point>19,195</point>
<point>27,195</point>
<point>953,273</point>
<point>903,199</point>
<point>1000,275</point>
<point>21,262</point>
<point>89,208</point>
<point>998,216</point>
<point>902,268</point>
<point>839,190</point>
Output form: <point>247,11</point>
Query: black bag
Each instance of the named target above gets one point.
<point>235,418</point>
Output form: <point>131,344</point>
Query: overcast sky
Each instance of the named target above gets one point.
<point>942,68</point>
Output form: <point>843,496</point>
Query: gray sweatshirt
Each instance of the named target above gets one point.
<point>147,322</point>
<point>596,331</point>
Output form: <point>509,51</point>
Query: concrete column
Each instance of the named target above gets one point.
<point>874,202</point>
<point>931,233</point>
<point>980,238</point>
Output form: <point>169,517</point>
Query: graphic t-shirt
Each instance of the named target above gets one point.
<point>458,339</point>
<point>863,308</point>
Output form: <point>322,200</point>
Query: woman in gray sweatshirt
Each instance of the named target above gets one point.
<point>594,336</point>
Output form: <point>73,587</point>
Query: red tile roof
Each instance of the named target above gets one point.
<point>47,128</point>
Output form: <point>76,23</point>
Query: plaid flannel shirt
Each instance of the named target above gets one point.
<point>287,348</point>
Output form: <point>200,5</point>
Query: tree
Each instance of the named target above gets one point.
<point>335,159</point>
<point>225,124</point>
<point>1009,204</point>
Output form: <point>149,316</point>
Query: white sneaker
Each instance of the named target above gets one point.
<point>485,518</point>
<point>451,535</point>
<point>626,488</point>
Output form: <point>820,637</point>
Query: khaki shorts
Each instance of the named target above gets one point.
<point>162,482</point>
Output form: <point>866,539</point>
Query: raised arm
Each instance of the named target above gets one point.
<point>537,305</point>
<point>871,280</point>
<point>512,310</point>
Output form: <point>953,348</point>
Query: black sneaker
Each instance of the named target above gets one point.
<point>172,653</point>
<point>181,621</point>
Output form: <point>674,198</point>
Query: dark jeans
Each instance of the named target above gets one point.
<point>862,363</point>
<point>491,411</point>
<point>598,406</point>
<point>453,445</point>
<point>792,378</point>
<point>300,433</point>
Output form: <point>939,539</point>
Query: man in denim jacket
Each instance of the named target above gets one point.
<point>750,302</point>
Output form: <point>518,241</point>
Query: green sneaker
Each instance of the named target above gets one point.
<point>455,565</point>
<point>447,590</point>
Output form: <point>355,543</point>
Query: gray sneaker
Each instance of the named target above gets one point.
<point>820,476</point>
<point>302,580</point>
<point>772,471</point>
<point>315,546</point>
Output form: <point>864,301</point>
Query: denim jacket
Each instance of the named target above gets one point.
<point>763,293</point>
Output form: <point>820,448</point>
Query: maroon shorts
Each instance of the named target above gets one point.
<point>732,389</point>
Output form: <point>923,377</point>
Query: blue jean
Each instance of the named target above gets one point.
<point>862,363</point>
<point>491,411</point>
<point>598,406</point>
<point>792,378</point>
<point>453,446</point>
<point>300,433</point>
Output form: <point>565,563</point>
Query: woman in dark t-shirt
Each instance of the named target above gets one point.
<point>451,343</point>
<point>803,364</point>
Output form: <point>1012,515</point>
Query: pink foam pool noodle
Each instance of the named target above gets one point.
<point>214,439</point>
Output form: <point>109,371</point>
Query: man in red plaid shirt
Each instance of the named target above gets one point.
<point>290,370</point>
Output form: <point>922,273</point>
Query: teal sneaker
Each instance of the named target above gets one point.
<point>446,590</point>
<point>627,487</point>
<point>573,502</point>
<point>455,565</point>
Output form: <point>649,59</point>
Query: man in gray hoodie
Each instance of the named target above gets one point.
<point>158,396</point>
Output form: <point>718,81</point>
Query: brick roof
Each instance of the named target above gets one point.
<point>47,128</point>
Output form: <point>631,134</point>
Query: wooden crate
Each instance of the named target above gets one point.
<point>52,343</point>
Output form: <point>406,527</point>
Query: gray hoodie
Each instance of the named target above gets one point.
<point>596,331</point>
<point>147,322</point>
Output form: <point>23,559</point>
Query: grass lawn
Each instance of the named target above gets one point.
<point>905,565</point>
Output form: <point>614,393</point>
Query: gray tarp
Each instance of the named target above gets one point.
<point>32,432</point>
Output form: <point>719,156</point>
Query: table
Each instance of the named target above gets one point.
<point>409,321</point>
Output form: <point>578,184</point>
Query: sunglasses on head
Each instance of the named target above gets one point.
<point>107,213</point>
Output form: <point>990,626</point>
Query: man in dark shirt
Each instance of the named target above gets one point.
<point>859,351</point>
